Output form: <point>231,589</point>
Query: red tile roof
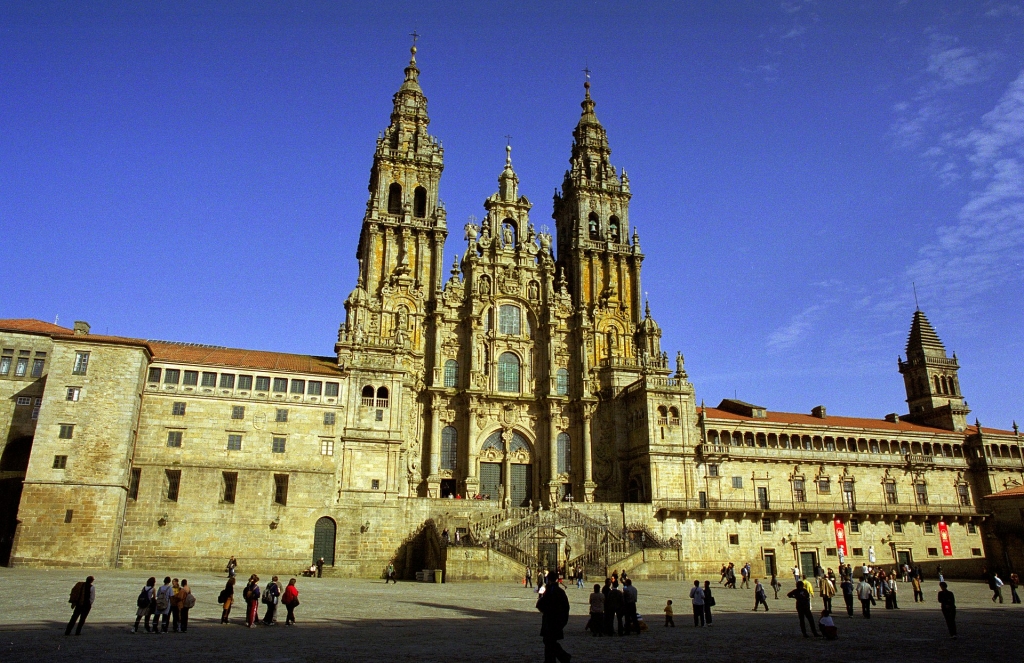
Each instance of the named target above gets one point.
<point>830,421</point>
<point>1009,493</point>
<point>27,325</point>
<point>255,359</point>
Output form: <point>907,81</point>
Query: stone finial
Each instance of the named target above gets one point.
<point>81,328</point>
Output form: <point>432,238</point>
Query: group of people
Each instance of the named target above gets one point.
<point>271,596</point>
<point>167,606</point>
<point>574,574</point>
<point>613,605</point>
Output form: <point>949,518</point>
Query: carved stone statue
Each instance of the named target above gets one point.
<point>508,237</point>
<point>471,231</point>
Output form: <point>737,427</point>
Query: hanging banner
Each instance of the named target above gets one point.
<point>947,548</point>
<point>840,538</point>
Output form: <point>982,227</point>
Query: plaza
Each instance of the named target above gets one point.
<point>365,620</point>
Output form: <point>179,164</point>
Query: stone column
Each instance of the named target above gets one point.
<point>588,465</point>
<point>552,456</point>
<point>472,432</point>
<point>433,480</point>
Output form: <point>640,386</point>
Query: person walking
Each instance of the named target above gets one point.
<point>390,574</point>
<point>803,608</point>
<point>251,594</point>
<point>745,575</point>
<point>529,578</point>
<point>290,599</point>
<point>320,568</point>
<point>948,603</point>
<point>697,599</point>
<point>164,595</point>
<point>828,590</point>
<point>1014,583</point>
<point>580,578</point>
<point>596,622</point>
<point>553,605</point>
<point>847,587</point>
<point>796,572</point>
<point>893,588</point>
<point>186,600</point>
<point>866,594</point>
<point>146,604</point>
<point>709,602</point>
<point>997,587</point>
<point>724,574</point>
<point>271,597</point>
<point>731,576</point>
<point>760,597</point>
<point>669,621</point>
<point>226,599</point>
<point>915,583</point>
<point>629,599</point>
<point>83,595</point>
<point>776,585</point>
<point>232,565</point>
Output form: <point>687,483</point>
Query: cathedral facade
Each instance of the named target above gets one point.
<point>519,397</point>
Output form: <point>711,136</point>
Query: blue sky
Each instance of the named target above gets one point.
<point>198,171</point>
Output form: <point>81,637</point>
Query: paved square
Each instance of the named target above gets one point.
<point>364,620</point>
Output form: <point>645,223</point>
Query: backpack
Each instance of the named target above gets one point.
<point>268,595</point>
<point>143,600</point>
<point>223,596</point>
<point>247,593</point>
<point>189,602</point>
<point>161,600</point>
<point>76,593</point>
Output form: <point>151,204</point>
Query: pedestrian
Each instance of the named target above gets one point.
<point>938,571</point>
<point>867,596</point>
<point>320,568</point>
<point>226,599</point>
<point>540,580</point>
<point>893,590</point>
<point>271,597</point>
<point>796,572</point>
<point>915,583</point>
<point>760,597</point>
<point>828,590</point>
<point>186,600</point>
<point>697,598</point>
<point>629,599</point>
<point>818,574</point>
<point>948,603</point>
<point>709,602</point>
<point>997,587</point>
<point>529,578</point>
<point>613,609</point>
<point>146,604</point>
<point>776,585</point>
<point>580,578</point>
<point>290,601</point>
<point>251,594</point>
<point>669,621</point>
<point>803,607</point>
<point>596,621</point>
<point>745,574</point>
<point>731,576</point>
<point>83,595</point>
<point>847,587</point>
<point>390,574</point>
<point>553,604</point>
<point>828,626</point>
<point>176,606</point>
<point>1014,583</point>
<point>232,565</point>
<point>724,574</point>
<point>163,604</point>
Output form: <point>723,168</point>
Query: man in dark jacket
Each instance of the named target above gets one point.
<point>803,608</point>
<point>554,606</point>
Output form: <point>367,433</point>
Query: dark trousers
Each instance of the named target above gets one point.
<point>619,616</point>
<point>805,613</point>
<point>997,593</point>
<point>827,603</point>
<point>529,582</point>
<point>669,621</point>
<point>176,618</point>
<point>166,619</point>
<point>609,622</point>
<point>849,604</point>
<point>319,571</point>
<point>707,614</point>
<point>184,619</point>
<point>596,624</point>
<point>1013,591</point>
<point>865,608</point>
<point>553,650</point>
<point>290,619</point>
<point>760,600</point>
<point>149,614</point>
<point>632,623</point>
<point>268,617</point>
<point>698,615</point>
<point>949,614</point>
<point>79,615</point>
<point>918,596</point>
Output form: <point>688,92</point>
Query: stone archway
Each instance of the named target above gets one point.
<point>506,468</point>
<point>13,464</point>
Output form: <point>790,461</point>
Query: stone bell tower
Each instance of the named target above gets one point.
<point>930,377</point>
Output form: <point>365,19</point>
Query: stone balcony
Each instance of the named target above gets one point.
<point>779,454</point>
<point>820,508</point>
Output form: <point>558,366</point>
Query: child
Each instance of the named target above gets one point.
<point>828,627</point>
<point>668,614</point>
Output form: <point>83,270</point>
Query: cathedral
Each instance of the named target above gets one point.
<point>521,401</point>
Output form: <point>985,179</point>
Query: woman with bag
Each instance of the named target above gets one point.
<point>226,599</point>
<point>291,601</point>
<point>186,601</point>
<point>146,605</point>
<point>709,601</point>
<point>252,600</point>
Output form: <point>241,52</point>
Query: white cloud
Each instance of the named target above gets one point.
<point>796,329</point>
<point>795,31</point>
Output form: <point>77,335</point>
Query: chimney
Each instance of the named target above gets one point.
<point>893,418</point>
<point>81,328</point>
<point>818,411</point>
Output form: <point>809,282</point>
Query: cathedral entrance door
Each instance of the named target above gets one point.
<point>323,541</point>
<point>490,480</point>
<point>522,484</point>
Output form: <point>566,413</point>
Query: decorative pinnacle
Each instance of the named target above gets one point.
<point>586,83</point>
<point>508,151</point>
<point>415,35</point>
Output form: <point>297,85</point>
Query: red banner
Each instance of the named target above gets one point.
<point>947,548</point>
<point>840,537</point>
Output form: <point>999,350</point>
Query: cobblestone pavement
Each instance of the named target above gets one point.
<point>365,620</point>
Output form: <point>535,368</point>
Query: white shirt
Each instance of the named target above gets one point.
<point>697,594</point>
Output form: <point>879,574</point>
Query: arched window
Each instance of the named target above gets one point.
<point>395,198</point>
<point>938,385</point>
<point>673,415</point>
<point>509,320</point>
<point>368,396</point>
<point>518,443</point>
<point>449,445</point>
<point>562,382</point>
<point>419,203</point>
<point>382,397</point>
<point>508,373</point>
<point>564,453</point>
<point>592,225</point>
<point>494,441</point>
<point>451,373</point>
<point>613,229</point>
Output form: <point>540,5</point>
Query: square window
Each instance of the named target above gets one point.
<point>154,374</point>
<point>713,469</point>
<point>737,482</point>
<point>35,413</point>
<point>133,483</point>
<point>375,484</point>
<point>766,524</point>
<point>60,462</point>
<point>280,385</point>
<point>328,418</point>
<point>190,379</point>
<point>37,366</point>
<point>21,367</point>
<point>933,552</point>
<point>67,431</point>
<point>234,442</point>
<point>281,416</point>
<point>278,445</point>
<point>824,486</point>
<point>855,526</point>
<point>81,363</point>
<point>799,494</point>
<point>972,528</point>
<point>314,387</point>
<point>173,484</point>
<point>245,382</point>
<point>69,515</point>
<point>298,386</point>
<point>326,447</point>
<point>37,401</point>
<point>5,364</point>
<point>734,539</point>
<point>858,552</point>
<point>238,412</point>
<point>227,380</point>
<point>178,409</point>
<point>281,489</point>
<point>262,383</point>
<point>805,525</point>
<point>831,552</point>
<point>209,379</point>
<point>929,528</point>
<point>331,389</point>
<point>174,438</point>
<point>976,552</point>
<point>379,416</point>
<point>24,400</point>
<point>230,486</point>
<point>897,527</point>
<point>172,375</point>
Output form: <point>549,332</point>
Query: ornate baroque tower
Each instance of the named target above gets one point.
<point>930,377</point>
